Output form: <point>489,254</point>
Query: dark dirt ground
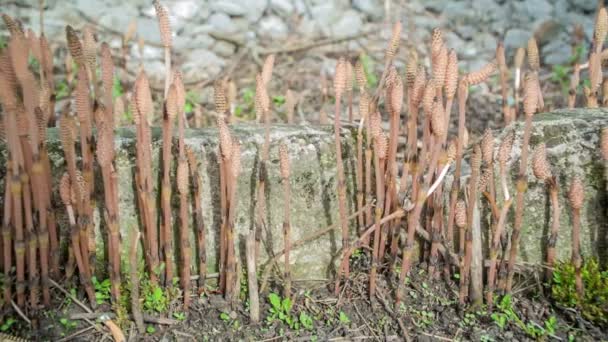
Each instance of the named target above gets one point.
<point>429,312</point>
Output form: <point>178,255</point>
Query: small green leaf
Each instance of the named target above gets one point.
<point>344,318</point>
<point>150,329</point>
<point>275,301</point>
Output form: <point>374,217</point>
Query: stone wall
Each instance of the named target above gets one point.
<point>571,136</point>
<point>572,140</point>
<point>313,206</point>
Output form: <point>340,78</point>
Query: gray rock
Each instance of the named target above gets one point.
<point>373,9</point>
<point>456,10</point>
<point>466,31</point>
<point>202,63</point>
<point>308,27</point>
<point>556,52</point>
<point>585,5</point>
<point>155,70</point>
<point>224,49</point>
<point>434,5</point>
<point>312,181</point>
<point>184,9</point>
<point>147,28</point>
<point>90,8</point>
<point>255,9</point>
<point>282,7</point>
<point>221,23</point>
<point>572,140</point>
<point>230,7</point>
<point>118,18</point>
<point>538,9</point>
<point>324,13</point>
<point>348,24</point>
<point>184,42</point>
<point>150,53</point>
<point>272,27</point>
<point>516,38</point>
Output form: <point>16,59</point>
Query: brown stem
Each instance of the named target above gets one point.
<point>360,175</point>
<point>224,214</point>
<point>184,243</point>
<point>552,241</point>
<point>495,245</point>
<point>85,277</point>
<point>19,238</point>
<point>576,254</point>
<point>166,228</point>
<point>522,185</point>
<point>287,238</point>
<point>378,216</point>
<point>230,252</point>
<point>7,236</point>
<point>31,242</point>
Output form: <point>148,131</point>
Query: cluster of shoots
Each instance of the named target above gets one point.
<point>401,194</point>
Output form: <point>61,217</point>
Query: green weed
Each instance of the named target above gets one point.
<point>594,304</point>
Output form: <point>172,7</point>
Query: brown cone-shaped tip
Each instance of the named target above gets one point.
<point>382,142</point>
<point>436,41</point>
<point>163,23</point>
<point>438,123</point>
<point>531,94</point>
<point>533,55</point>
<point>540,165</point>
<point>340,77</point>
<point>601,27</point>
<point>504,149</point>
<point>236,158</point>
<point>182,177</point>
<point>219,97</point>
<point>396,94</point>
<point>393,44</point>
<point>461,214</point>
<point>171,103</point>
<point>360,75</point>
<point>481,75</point>
<point>440,67</point>
<point>65,190</point>
<point>225,138</point>
<point>487,146</point>
<point>576,195</point>
<point>262,101</point>
<point>451,151</point>
<point>604,143</point>
<point>142,96</point>
<point>451,75</point>
<point>74,45</point>
<point>375,124</point>
<point>428,97</point>
<point>284,161</point>
<point>267,69</point>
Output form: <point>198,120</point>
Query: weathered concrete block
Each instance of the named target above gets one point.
<point>313,184</point>
<point>572,140</point>
<point>571,136</point>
